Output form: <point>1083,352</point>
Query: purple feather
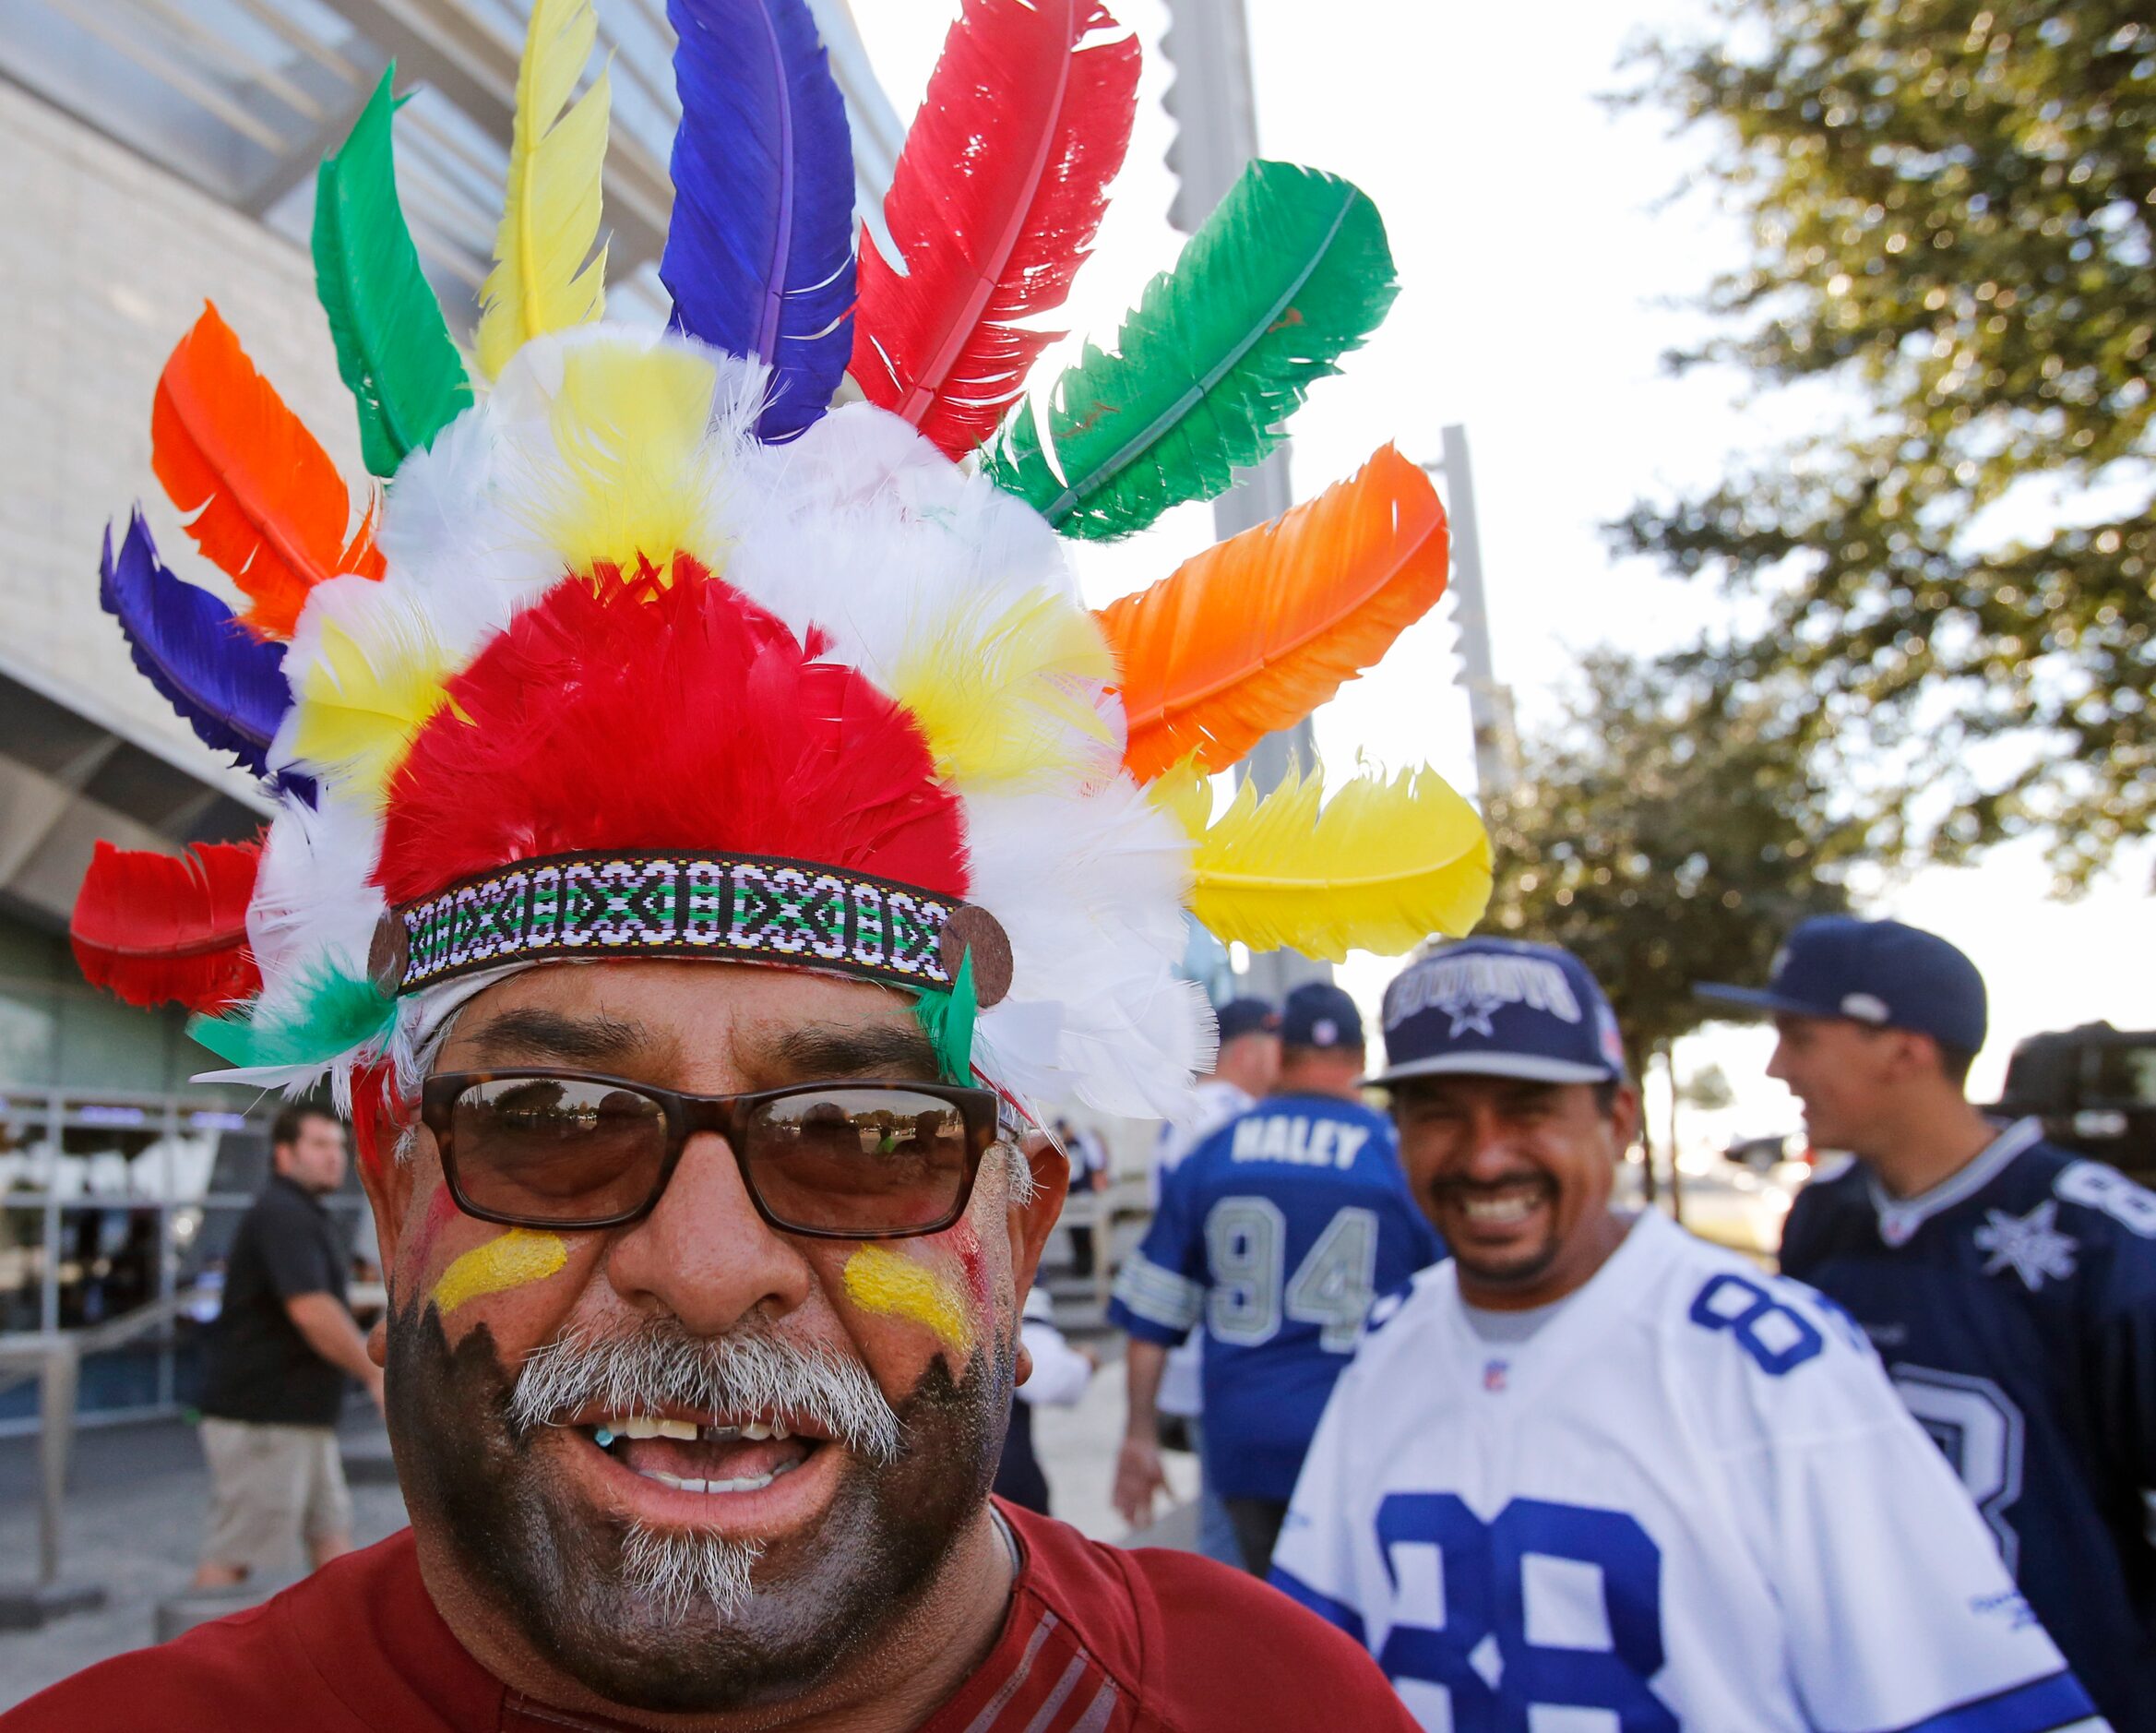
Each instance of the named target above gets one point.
<point>228,686</point>
<point>759,252</point>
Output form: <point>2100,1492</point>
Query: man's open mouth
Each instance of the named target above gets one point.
<point>705,1453</point>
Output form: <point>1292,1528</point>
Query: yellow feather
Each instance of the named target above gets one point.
<point>1381,867</point>
<point>549,217</point>
<point>1185,794</point>
<point>355,718</point>
<point>1011,701</point>
<point>629,423</point>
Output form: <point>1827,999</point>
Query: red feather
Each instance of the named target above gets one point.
<point>993,208</point>
<point>642,713</point>
<point>376,1115</point>
<point>151,927</point>
<point>269,507</point>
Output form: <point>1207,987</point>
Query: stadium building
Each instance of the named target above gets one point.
<point>154,154</point>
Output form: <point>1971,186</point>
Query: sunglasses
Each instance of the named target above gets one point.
<point>870,1160</point>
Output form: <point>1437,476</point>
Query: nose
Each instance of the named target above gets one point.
<point>704,1254</point>
<point>1489,1144</point>
<point>1776,1069</point>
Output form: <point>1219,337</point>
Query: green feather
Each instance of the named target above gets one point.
<point>336,1013</point>
<point>1288,274</point>
<point>947,1020</point>
<point>393,346</point>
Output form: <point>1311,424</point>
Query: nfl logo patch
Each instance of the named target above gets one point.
<point>1494,1375</point>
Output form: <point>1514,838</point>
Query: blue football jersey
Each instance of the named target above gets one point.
<point>1275,1233</point>
<point>2015,1307</point>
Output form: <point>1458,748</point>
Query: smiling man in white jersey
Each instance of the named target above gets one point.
<point>1592,1463</point>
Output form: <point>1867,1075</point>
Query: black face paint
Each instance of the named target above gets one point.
<point>551,1563</point>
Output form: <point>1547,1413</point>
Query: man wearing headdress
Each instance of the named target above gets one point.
<point>712,836</point>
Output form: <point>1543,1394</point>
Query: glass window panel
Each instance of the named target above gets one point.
<point>22,1268</point>
<point>105,1045</point>
<point>108,1259</point>
<point>29,1031</point>
<point>2126,1076</point>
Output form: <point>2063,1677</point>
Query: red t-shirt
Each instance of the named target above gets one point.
<point>1098,1640</point>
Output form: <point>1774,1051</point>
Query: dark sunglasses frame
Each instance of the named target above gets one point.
<point>687,1115</point>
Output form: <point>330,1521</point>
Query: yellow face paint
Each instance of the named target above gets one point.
<point>521,1255</point>
<point>895,1285</point>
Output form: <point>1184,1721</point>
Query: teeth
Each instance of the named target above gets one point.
<point>679,1429</point>
<point>1515,1206</point>
<point>755,1429</point>
<point>638,1426</point>
<point>746,1483</point>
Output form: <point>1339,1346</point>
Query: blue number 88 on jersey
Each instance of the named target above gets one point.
<point>1482,1654</point>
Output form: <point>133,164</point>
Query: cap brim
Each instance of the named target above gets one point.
<point>1758,1000</point>
<point>1527,1066</point>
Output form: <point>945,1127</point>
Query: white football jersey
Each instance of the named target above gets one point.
<point>1690,1500</point>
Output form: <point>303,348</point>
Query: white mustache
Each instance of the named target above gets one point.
<point>751,1368</point>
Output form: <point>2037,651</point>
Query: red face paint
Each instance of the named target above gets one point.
<point>441,1207</point>
<point>966,1242</point>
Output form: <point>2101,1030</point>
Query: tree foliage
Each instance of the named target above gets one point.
<point>1952,206</point>
<point>1668,832</point>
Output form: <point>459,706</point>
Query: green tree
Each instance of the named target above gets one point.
<point>1670,829</point>
<point>1952,209</point>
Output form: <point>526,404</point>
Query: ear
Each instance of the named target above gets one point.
<point>1029,1223</point>
<point>1625,1118</point>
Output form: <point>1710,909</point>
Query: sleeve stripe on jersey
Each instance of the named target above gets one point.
<point>1333,1612</point>
<point>1160,1296</point>
<point>2041,1705</point>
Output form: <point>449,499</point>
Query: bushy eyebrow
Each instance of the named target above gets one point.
<point>844,1050</point>
<point>532,1031</point>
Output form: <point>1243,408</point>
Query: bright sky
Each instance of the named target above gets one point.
<point>1539,258</point>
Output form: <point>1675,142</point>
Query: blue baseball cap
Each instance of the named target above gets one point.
<point>1880,973</point>
<point>1500,1008</point>
<point>1247,1016</point>
<point>1319,1014</point>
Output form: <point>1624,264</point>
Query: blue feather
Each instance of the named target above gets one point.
<point>228,686</point>
<point>759,252</point>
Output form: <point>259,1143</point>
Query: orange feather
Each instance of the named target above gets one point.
<point>1255,633</point>
<point>267,505</point>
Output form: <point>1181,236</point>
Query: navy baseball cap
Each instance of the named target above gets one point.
<point>1247,1016</point>
<point>1880,973</point>
<point>1319,1014</point>
<point>1500,1008</point>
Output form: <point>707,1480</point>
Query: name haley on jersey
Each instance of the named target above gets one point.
<point>1687,1499</point>
<point>1273,1235</point>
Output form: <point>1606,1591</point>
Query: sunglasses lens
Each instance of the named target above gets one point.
<point>858,1160</point>
<point>551,1149</point>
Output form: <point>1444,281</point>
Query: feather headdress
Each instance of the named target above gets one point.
<point>652,651</point>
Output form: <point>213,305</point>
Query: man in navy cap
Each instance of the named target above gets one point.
<point>1592,1463</point>
<point>2010,1285</point>
<point>1274,1234</point>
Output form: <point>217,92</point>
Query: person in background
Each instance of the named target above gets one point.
<point>1052,1374</point>
<point>275,1368</point>
<point>1088,1177</point>
<point>1592,1464</point>
<point>2010,1287</point>
<point>1244,1072</point>
<point>1276,1232</point>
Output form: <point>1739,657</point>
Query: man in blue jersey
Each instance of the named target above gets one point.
<point>1275,1233</point>
<point>2009,1286</point>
